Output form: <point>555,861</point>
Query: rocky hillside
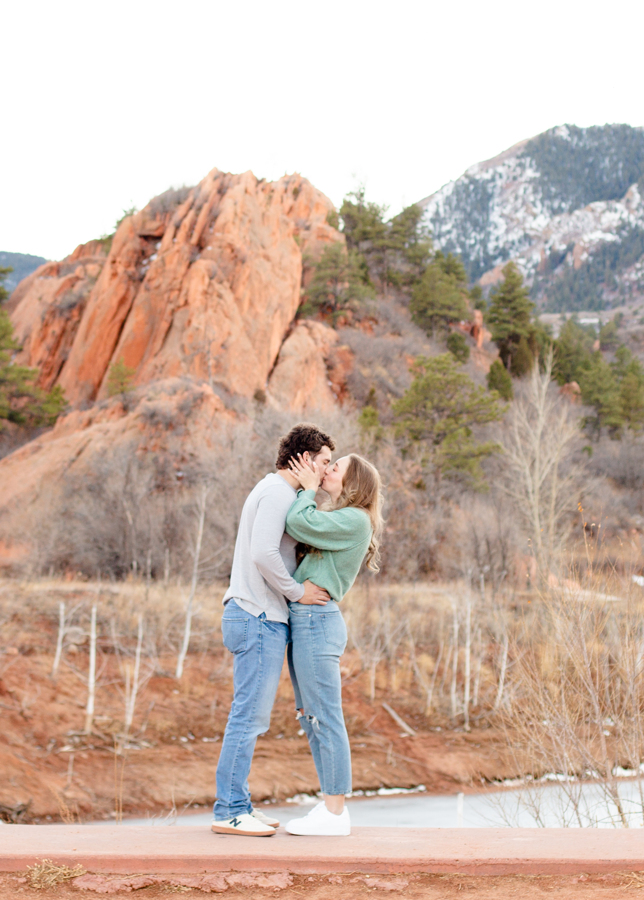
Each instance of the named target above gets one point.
<point>567,205</point>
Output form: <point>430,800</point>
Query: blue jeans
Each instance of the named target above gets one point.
<point>258,646</point>
<point>319,636</point>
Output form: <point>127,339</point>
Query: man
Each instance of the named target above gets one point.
<point>255,624</point>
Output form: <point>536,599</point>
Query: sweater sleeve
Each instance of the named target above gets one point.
<point>335,530</point>
<point>266,537</point>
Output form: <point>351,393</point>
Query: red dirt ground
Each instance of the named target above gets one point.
<point>341,887</point>
<point>48,763</point>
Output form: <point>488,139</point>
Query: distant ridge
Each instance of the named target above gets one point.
<point>23,264</point>
<point>567,205</point>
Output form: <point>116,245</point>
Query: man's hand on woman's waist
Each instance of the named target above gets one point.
<point>314,595</point>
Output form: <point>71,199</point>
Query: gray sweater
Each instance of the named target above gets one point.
<point>261,579</point>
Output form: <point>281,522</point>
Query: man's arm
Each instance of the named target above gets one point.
<point>268,530</point>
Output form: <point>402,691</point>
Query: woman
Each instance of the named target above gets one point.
<point>337,541</point>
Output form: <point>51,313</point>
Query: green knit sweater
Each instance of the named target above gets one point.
<point>342,536</point>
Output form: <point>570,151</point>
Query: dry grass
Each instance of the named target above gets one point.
<point>47,874</point>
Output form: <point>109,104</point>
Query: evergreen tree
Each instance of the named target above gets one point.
<point>630,373</point>
<point>4,293</point>
<point>631,395</point>
<point>510,319</point>
<point>477,299</point>
<point>362,222</point>
<point>499,380</point>
<point>397,251</point>
<point>600,390</point>
<point>572,348</point>
<point>336,285</point>
<point>120,379</point>
<point>608,337</point>
<point>439,411</point>
<point>440,297</point>
<point>458,346</point>
<point>621,362</point>
<point>523,358</point>
<point>409,247</point>
<point>21,400</point>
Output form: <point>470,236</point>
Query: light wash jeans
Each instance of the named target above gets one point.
<point>258,646</point>
<point>319,636</point>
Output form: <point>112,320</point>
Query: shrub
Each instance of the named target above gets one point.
<point>499,380</point>
<point>120,379</point>
<point>458,346</point>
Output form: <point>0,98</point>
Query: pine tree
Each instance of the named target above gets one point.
<point>440,297</point>
<point>510,319</point>
<point>362,222</point>
<point>458,346</point>
<point>477,299</point>
<point>572,348</point>
<point>408,247</point>
<point>120,378</point>
<point>523,358</point>
<point>631,394</point>
<point>600,390</point>
<point>336,285</point>
<point>608,337</point>
<point>499,380</point>
<point>438,412</point>
<point>395,251</point>
<point>4,293</point>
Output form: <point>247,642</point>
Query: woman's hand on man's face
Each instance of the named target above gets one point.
<point>308,475</point>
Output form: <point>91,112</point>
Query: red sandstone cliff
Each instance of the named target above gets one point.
<point>202,283</point>
<point>197,293</point>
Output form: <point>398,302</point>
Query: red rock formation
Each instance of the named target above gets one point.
<point>204,284</point>
<point>476,329</point>
<point>311,370</point>
<point>47,306</point>
<point>571,391</point>
<point>197,292</point>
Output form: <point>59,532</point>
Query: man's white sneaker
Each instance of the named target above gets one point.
<point>244,824</point>
<point>321,821</point>
<point>266,820</point>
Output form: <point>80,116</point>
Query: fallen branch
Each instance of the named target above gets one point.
<point>394,715</point>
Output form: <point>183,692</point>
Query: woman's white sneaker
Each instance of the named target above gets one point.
<point>244,824</point>
<point>321,822</point>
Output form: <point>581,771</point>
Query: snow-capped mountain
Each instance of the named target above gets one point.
<point>568,206</point>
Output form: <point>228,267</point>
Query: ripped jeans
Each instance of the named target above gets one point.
<point>318,639</point>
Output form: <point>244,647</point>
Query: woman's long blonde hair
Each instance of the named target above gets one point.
<point>362,489</point>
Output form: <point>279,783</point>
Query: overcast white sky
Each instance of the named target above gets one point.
<point>105,105</point>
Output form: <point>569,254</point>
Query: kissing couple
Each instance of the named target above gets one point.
<point>293,564</point>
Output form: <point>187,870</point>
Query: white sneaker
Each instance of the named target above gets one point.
<point>244,824</point>
<point>321,821</point>
<point>266,820</point>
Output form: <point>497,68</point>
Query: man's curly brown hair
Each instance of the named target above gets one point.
<point>300,439</point>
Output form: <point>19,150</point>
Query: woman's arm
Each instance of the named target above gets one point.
<point>335,530</point>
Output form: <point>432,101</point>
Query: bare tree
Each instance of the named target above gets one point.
<point>91,674</point>
<point>578,692</point>
<point>540,435</point>
<point>59,639</point>
<point>202,502</point>
<point>133,680</point>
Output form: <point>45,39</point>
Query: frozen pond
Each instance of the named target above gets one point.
<point>570,804</point>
